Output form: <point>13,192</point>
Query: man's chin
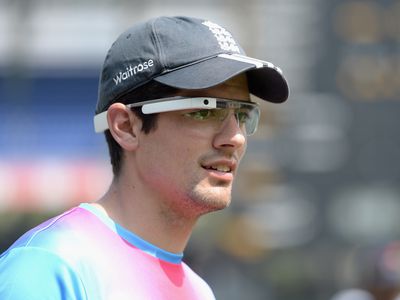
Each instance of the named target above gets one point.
<point>215,198</point>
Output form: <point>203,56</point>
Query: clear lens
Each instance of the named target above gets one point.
<point>245,113</point>
<point>252,120</point>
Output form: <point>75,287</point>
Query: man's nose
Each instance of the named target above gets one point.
<point>231,134</point>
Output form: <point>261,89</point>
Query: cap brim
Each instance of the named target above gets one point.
<point>265,80</point>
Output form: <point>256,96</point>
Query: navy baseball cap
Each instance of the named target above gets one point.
<point>184,53</point>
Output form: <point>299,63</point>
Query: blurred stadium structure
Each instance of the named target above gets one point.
<point>317,205</point>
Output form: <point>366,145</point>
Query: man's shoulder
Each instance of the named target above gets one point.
<point>52,254</point>
<point>39,273</point>
<point>58,235</point>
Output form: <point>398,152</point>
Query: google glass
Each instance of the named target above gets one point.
<point>204,109</point>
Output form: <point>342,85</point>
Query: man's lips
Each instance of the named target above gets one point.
<point>224,166</point>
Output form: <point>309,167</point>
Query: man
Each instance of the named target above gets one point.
<point>174,102</point>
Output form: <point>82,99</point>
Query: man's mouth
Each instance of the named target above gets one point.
<point>219,168</point>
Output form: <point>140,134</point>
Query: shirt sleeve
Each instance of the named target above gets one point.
<point>33,273</point>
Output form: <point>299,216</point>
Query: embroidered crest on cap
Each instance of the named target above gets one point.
<point>223,36</point>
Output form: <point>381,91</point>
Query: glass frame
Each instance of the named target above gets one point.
<point>185,103</point>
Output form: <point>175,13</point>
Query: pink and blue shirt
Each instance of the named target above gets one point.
<point>83,254</point>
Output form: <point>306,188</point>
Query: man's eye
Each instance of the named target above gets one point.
<point>202,114</point>
<point>242,116</point>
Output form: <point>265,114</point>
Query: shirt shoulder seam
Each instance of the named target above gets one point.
<point>55,220</point>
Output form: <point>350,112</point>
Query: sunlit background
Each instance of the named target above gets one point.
<point>316,211</point>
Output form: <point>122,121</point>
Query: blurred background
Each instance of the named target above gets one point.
<point>316,206</point>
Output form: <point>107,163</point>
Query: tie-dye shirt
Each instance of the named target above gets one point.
<point>83,254</point>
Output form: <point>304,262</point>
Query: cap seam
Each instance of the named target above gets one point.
<point>117,94</point>
<point>157,43</point>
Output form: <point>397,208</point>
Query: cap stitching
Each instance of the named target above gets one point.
<point>157,42</point>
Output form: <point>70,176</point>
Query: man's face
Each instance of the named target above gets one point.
<point>189,164</point>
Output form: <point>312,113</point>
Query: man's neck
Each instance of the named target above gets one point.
<point>146,216</point>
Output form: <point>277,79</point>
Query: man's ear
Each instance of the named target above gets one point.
<point>124,126</point>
